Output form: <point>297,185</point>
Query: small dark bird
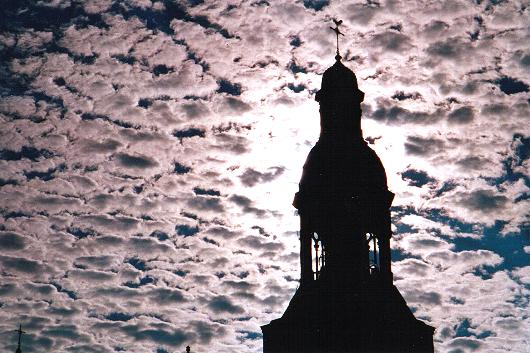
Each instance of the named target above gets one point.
<point>337,22</point>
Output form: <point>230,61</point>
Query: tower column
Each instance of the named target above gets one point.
<point>385,261</point>
<point>306,273</point>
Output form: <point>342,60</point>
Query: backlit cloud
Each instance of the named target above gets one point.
<point>150,151</point>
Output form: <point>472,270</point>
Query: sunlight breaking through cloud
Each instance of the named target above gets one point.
<point>150,151</point>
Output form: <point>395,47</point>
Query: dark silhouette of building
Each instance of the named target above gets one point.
<point>346,301</point>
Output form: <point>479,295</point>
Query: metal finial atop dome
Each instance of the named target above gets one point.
<point>337,32</point>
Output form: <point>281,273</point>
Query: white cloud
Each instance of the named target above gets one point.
<point>174,135</point>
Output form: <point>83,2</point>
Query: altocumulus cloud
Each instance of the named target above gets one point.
<point>150,150</point>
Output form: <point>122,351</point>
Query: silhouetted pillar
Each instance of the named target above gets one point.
<point>306,272</point>
<point>384,259</point>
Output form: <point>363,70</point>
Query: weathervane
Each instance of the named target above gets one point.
<point>20,332</point>
<point>337,32</point>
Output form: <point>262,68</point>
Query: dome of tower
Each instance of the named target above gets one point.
<point>341,165</point>
<point>339,83</point>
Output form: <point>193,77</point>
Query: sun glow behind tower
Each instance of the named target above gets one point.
<point>142,142</point>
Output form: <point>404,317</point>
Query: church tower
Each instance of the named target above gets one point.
<point>346,301</point>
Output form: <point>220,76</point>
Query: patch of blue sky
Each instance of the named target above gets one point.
<point>509,246</point>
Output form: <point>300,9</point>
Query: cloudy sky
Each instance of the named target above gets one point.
<point>150,151</point>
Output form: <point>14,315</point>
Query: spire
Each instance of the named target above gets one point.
<point>337,32</point>
<point>20,332</point>
<point>339,83</point>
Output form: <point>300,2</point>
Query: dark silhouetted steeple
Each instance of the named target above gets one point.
<point>346,301</point>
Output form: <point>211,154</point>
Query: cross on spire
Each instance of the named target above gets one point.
<point>20,332</point>
<point>337,32</point>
